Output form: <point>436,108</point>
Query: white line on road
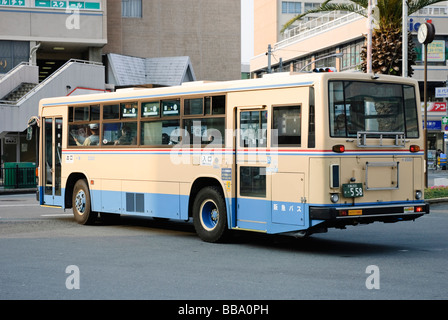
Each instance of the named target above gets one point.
<point>18,205</point>
<point>57,215</point>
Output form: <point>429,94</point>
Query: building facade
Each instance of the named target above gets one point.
<point>40,39</point>
<point>208,31</point>
<point>336,39</point>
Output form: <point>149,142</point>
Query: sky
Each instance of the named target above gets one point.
<point>247,30</point>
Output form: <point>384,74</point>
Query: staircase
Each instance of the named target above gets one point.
<point>19,92</point>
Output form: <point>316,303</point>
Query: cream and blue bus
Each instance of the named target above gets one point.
<point>288,153</point>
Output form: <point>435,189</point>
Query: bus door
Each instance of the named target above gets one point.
<point>51,162</point>
<point>253,205</point>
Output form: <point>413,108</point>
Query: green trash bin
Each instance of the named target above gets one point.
<point>19,175</point>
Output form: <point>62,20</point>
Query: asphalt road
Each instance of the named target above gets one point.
<point>46,255</point>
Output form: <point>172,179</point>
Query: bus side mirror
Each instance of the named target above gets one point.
<point>29,133</point>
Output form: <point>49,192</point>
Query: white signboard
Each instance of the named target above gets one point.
<point>442,92</point>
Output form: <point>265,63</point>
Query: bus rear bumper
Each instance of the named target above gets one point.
<point>349,215</point>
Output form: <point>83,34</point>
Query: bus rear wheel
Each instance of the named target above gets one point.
<point>81,203</point>
<point>210,215</point>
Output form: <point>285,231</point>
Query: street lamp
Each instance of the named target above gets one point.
<point>337,55</point>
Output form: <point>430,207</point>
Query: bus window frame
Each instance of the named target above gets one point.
<point>301,124</point>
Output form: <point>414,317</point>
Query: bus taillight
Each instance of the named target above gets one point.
<point>339,148</point>
<point>414,148</point>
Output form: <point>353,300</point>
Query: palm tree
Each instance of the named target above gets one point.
<point>387,38</point>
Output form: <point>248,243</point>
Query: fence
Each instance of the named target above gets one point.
<point>18,175</point>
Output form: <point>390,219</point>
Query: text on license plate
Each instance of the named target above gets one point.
<point>352,190</point>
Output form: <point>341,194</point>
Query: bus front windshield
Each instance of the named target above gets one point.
<point>372,107</point>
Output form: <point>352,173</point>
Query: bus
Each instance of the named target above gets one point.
<point>291,154</point>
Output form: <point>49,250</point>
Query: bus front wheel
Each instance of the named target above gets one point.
<point>210,215</point>
<point>81,204</point>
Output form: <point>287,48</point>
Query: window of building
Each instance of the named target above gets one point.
<point>291,7</point>
<point>131,8</point>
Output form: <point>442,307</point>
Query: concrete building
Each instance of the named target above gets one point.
<point>208,31</point>
<point>320,38</point>
<point>53,48</point>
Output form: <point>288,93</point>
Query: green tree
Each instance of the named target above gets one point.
<point>386,38</point>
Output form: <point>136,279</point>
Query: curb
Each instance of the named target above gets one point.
<point>436,200</point>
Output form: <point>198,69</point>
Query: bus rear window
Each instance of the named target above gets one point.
<point>371,107</point>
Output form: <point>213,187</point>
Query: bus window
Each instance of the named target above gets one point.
<point>128,110</point>
<point>83,134</point>
<point>193,106</point>
<point>253,126</point>
<point>411,112</point>
<point>205,131</point>
<point>95,113</point>
<point>165,132</point>
<point>373,107</point>
<point>82,114</point>
<point>170,107</point>
<point>218,105</point>
<point>253,182</point>
<point>111,111</point>
<point>120,133</point>
<point>286,126</point>
<point>151,109</point>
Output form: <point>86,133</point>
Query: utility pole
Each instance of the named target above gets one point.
<point>369,37</point>
<point>269,53</point>
<point>404,27</point>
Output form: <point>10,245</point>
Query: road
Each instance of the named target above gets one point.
<point>46,255</point>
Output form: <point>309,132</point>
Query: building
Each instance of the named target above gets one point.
<point>208,31</point>
<point>53,48</point>
<point>335,40</point>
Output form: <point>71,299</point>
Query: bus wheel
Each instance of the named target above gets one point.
<point>81,203</point>
<point>210,215</point>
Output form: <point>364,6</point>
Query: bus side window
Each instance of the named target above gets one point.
<point>286,126</point>
<point>165,132</point>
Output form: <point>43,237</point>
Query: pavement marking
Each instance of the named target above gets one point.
<point>57,215</point>
<point>18,205</point>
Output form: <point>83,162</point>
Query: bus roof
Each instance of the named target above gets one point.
<point>270,81</point>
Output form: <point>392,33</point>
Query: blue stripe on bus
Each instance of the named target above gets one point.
<point>247,213</point>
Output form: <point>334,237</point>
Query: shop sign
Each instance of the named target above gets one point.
<point>435,106</point>
<point>434,125</point>
<point>444,120</point>
<point>442,92</point>
<point>436,51</point>
<point>10,140</point>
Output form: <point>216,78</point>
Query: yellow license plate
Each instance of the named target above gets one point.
<point>354,212</point>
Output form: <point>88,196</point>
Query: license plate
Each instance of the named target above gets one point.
<point>352,190</point>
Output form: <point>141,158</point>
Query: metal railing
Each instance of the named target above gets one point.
<point>322,23</point>
<point>17,177</point>
<point>54,75</point>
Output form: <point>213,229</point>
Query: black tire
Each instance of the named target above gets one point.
<point>82,205</point>
<point>210,215</point>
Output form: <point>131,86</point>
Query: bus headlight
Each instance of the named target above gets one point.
<point>418,194</point>
<point>334,197</point>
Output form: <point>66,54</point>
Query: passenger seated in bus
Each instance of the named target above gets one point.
<point>126,136</point>
<point>91,140</point>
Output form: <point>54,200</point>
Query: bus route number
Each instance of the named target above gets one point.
<point>352,190</point>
